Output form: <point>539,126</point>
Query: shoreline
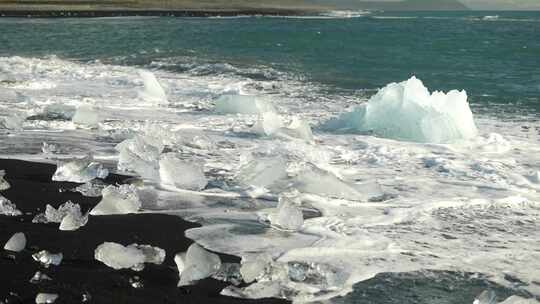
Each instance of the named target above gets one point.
<point>79,273</point>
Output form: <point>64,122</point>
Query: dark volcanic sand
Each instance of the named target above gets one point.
<point>32,188</point>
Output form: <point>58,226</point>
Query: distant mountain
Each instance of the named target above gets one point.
<point>405,5</point>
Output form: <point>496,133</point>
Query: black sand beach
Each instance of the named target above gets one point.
<point>31,189</point>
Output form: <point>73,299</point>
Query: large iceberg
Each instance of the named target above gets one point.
<point>176,173</point>
<point>407,111</point>
<point>243,104</point>
<point>152,91</point>
<point>132,256</point>
<point>123,199</point>
<point>80,171</point>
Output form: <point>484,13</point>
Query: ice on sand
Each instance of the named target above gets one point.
<point>4,185</point>
<point>80,171</point>
<point>46,298</point>
<point>288,216</point>
<point>8,208</point>
<point>69,216</point>
<point>87,115</point>
<point>407,111</point>
<point>176,173</point>
<point>123,199</point>
<point>140,154</point>
<point>152,90</point>
<point>16,243</point>
<point>132,256</point>
<point>39,277</point>
<point>46,258</point>
<point>199,264</point>
<point>243,104</point>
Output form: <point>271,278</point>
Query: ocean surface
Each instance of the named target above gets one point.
<point>405,220</point>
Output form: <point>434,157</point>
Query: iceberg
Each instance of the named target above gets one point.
<point>123,199</point>
<point>199,264</point>
<point>140,154</point>
<point>243,104</point>
<point>16,243</point>
<point>132,256</point>
<point>80,171</point>
<point>152,91</point>
<point>176,173</point>
<point>87,115</point>
<point>46,258</point>
<point>4,185</point>
<point>46,298</point>
<point>407,111</point>
<point>8,208</point>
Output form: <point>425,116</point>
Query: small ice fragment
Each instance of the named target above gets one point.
<point>80,171</point>
<point>229,272</point>
<point>86,115</point>
<point>46,258</point>
<point>252,268</point>
<point>16,243</point>
<point>180,260</point>
<point>73,221</point>
<point>46,298</point>
<point>92,188</point>
<point>4,185</point>
<point>123,199</point>
<point>152,92</point>
<point>407,111</point>
<point>289,216</point>
<point>140,155</point>
<point>486,297</point>
<point>180,174</point>
<point>200,264</point>
<point>86,297</point>
<point>136,282</point>
<point>39,277</point>
<point>132,256</point>
<point>69,216</point>
<point>258,290</point>
<point>243,104</point>
<point>8,208</point>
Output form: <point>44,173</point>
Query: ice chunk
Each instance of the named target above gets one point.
<point>200,264</point>
<point>80,171</point>
<point>46,298</point>
<point>258,290</point>
<point>268,124</point>
<point>289,216</point>
<point>132,256</point>
<point>298,129</point>
<point>69,216</point>
<point>252,268</point>
<point>8,208</point>
<point>140,155</point>
<point>242,104</point>
<point>87,115</point>
<point>123,199</point>
<point>73,221</point>
<point>92,188</point>
<point>152,92</point>
<point>271,124</point>
<point>535,177</point>
<point>46,258</point>
<point>39,277</point>
<point>407,111</point>
<point>4,185</point>
<point>57,111</point>
<point>180,260</point>
<point>180,174</point>
<point>16,243</point>
<point>13,121</point>
<point>229,272</point>
<point>263,172</point>
<point>136,282</point>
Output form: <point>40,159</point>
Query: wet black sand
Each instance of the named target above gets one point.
<point>79,273</point>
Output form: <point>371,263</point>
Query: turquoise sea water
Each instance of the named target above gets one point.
<point>496,60</point>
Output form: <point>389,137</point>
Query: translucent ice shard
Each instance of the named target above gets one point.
<point>263,172</point>
<point>258,290</point>
<point>39,277</point>
<point>298,129</point>
<point>176,173</point>
<point>180,260</point>
<point>407,111</point>
<point>69,216</point>
<point>288,216</point>
<point>253,267</point>
<point>73,221</point>
<point>271,124</point>
<point>46,298</point>
<point>4,185</point>
<point>132,256</point>
<point>152,91</point>
<point>8,208</point>
<point>268,124</point>
<point>87,115</point>
<point>243,104</point>
<point>46,258</point>
<point>123,199</point>
<point>92,188</point>
<point>80,171</point>
<point>140,154</point>
<point>229,272</point>
<point>200,264</point>
<point>16,243</point>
